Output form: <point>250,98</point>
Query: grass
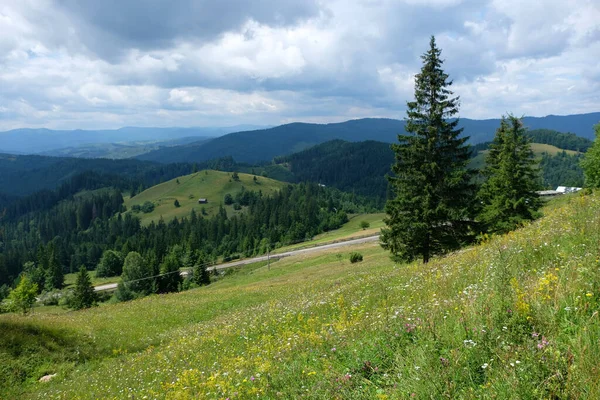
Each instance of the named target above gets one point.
<point>478,162</point>
<point>539,148</point>
<point>209,184</point>
<point>71,278</point>
<point>350,230</point>
<point>514,317</point>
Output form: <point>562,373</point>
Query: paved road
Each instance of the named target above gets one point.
<point>113,286</point>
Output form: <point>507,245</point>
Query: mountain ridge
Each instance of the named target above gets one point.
<point>265,144</point>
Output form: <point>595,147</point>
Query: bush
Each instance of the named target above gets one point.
<point>364,225</point>
<point>147,207</point>
<point>50,298</point>
<point>355,257</point>
<point>176,203</point>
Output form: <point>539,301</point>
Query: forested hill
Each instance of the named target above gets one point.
<point>77,229</point>
<point>564,141</point>
<point>265,144</point>
<point>21,175</point>
<point>358,167</point>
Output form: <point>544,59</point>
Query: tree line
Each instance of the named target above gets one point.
<point>80,230</point>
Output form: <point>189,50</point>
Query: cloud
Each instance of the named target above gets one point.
<point>89,64</point>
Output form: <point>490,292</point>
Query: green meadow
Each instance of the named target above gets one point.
<point>187,190</point>
<point>513,317</point>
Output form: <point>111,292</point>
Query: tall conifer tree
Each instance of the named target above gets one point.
<point>431,211</point>
<point>84,295</point>
<point>591,162</point>
<point>509,193</point>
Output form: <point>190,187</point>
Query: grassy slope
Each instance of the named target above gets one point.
<point>209,184</point>
<point>478,162</point>
<point>515,317</point>
<point>350,230</point>
<point>539,148</point>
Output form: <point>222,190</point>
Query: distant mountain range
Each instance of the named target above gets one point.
<point>246,143</point>
<point>120,150</point>
<point>34,141</point>
<point>264,144</point>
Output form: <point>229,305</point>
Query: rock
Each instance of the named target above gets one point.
<point>46,378</point>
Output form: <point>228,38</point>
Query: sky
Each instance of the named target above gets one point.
<point>89,64</point>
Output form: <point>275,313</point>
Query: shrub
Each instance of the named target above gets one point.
<point>355,257</point>
<point>50,298</point>
<point>364,225</point>
<point>147,207</point>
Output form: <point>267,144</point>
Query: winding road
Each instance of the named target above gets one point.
<point>315,249</point>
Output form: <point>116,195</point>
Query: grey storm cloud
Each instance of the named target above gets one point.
<point>110,26</point>
<point>87,63</point>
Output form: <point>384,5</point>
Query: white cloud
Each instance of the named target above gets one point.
<point>281,61</point>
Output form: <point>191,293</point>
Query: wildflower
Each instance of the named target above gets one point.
<point>535,334</point>
<point>252,378</point>
<point>469,343</point>
<point>588,294</point>
<point>444,361</point>
<point>333,349</point>
<point>485,365</point>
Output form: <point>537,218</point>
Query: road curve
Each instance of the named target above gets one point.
<point>315,249</point>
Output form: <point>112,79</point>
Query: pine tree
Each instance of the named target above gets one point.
<point>84,295</point>
<point>431,210</point>
<point>55,277</point>
<point>508,196</point>
<point>170,278</point>
<point>200,275</point>
<point>591,162</point>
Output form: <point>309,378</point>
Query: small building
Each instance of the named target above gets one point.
<point>567,189</point>
<point>202,201</point>
<point>548,193</point>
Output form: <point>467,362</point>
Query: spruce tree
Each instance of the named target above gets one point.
<point>431,211</point>
<point>591,162</point>
<point>170,278</point>
<point>84,295</point>
<point>200,275</point>
<point>55,277</point>
<point>508,196</point>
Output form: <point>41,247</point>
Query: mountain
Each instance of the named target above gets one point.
<point>120,150</point>
<point>32,141</point>
<point>22,175</point>
<point>265,144</point>
<point>208,184</point>
<point>356,167</point>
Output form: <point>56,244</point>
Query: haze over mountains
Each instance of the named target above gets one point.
<point>263,145</point>
<point>32,141</point>
<point>245,143</point>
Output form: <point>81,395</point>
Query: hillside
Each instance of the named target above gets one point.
<point>22,175</point>
<point>120,150</point>
<point>264,144</point>
<point>209,184</point>
<point>358,167</point>
<point>513,317</point>
<point>32,141</point>
<point>361,167</point>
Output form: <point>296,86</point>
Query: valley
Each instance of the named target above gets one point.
<point>312,199</point>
